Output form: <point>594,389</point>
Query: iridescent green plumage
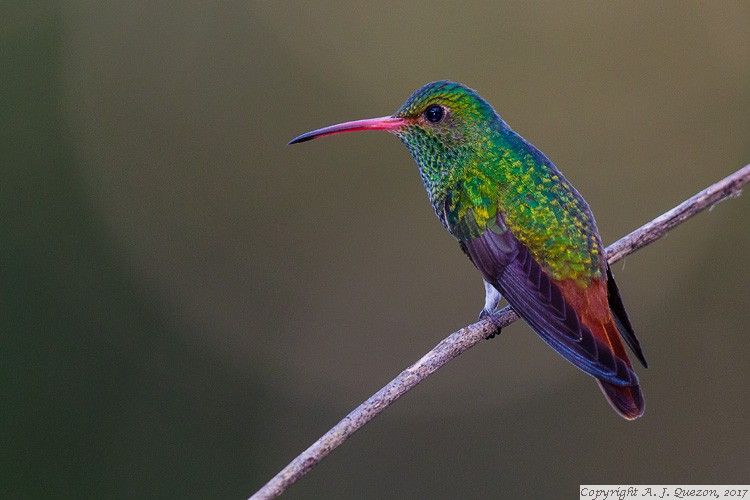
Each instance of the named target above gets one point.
<point>485,166</point>
<point>523,225</point>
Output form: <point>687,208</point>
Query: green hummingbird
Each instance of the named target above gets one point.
<point>527,230</point>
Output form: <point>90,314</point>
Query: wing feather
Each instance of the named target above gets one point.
<point>621,318</point>
<point>508,265</point>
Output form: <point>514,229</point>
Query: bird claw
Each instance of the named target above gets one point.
<point>495,322</point>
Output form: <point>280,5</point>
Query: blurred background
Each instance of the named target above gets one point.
<point>186,303</point>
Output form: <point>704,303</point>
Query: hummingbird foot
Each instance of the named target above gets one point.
<point>491,301</point>
<point>490,315</point>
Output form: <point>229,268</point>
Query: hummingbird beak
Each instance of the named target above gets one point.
<point>385,123</point>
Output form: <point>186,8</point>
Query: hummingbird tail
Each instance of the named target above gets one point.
<point>595,313</point>
<point>625,400</point>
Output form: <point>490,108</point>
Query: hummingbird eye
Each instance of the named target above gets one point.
<point>434,113</point>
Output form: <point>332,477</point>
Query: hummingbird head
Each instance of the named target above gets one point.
<point>445,125</point>
<point>444,112</point>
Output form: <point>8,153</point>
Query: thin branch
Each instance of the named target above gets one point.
<point>467,337</point>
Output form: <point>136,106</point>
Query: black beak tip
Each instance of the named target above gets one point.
<point>298,139</point>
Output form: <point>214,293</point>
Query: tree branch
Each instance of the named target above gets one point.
<point>469,336</point>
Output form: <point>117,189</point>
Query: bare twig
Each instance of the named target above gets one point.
<point>469,336</point>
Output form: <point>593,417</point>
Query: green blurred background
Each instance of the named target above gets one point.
<point>186,303</point>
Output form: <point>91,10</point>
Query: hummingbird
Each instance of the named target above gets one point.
<point>523,225</point>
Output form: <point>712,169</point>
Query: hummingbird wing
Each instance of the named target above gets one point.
<point>621,318</point>
<point>507,264</point>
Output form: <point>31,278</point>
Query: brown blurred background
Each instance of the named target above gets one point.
<point>186,303</point>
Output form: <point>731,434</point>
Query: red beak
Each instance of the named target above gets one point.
<point>384,123</point>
